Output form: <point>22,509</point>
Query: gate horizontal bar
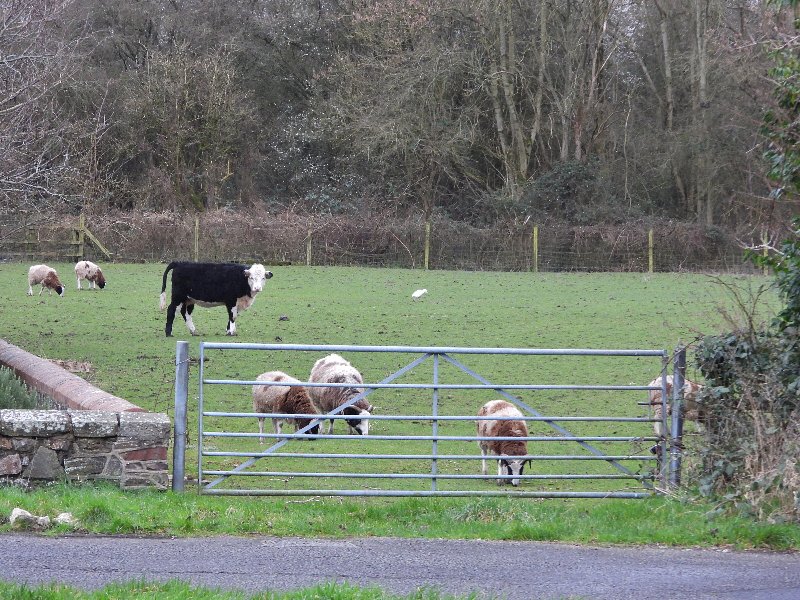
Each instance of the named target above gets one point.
<point>435,349</point>
<point>250,415</point>
<point>429,438</point>
<point>650,457</point>
<point>426,493</point>
<point>433,386</point>
<point>418,475</point>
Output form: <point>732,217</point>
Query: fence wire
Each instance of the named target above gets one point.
<point>376,242</point>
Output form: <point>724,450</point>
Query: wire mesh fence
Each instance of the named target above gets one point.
<point>381,241</point>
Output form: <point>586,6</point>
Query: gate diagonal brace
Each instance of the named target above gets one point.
<point>536,413</point>
<point>250,462</point>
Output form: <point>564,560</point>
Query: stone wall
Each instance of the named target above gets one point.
<point>97,436</point>
<point>128,448</point>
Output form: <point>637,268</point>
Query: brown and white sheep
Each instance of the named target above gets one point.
<point>47,276</point>
<point>691,409</point>
<point>89,271</point>
<point>335,369</point>
<point>510,469</point>
<point>282,399</point>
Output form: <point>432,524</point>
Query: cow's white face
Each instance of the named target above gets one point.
<point>256,276</point>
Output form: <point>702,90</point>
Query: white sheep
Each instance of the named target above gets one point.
<point>282,399</point>
<point>47,276</point>
<point>503,429</point>
<point>85,269</point>
<point>335,369</point>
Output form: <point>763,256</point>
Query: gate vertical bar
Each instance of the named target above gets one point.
<point>676,442</point>
<point>181,402</point>
<point>435,423</point>
<point>200,440</point>
<point>663,447</point>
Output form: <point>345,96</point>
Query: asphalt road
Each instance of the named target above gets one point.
<point>512,570</point>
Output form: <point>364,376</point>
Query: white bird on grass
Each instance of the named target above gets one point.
<point>418,294</point>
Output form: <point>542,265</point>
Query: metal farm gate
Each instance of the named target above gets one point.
<point>586,440</point>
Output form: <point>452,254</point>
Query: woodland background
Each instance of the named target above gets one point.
<point>475,111</point>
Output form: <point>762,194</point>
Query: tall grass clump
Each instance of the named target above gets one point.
<point>14,393</point>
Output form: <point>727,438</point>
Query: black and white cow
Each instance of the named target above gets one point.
<point>211,284</point>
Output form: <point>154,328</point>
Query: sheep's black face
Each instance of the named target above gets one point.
<point>358,426</point>
<point>313,431</point>
<point>656,449</point>
<point>512,468</point>
<point>60,290</point>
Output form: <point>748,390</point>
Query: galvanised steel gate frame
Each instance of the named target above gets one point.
<point>666,469</point>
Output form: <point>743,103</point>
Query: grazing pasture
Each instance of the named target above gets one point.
<point>120,332</point>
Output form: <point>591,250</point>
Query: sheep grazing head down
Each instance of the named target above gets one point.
<point>505,438</point>
<point>360,425</point>
<point>51,282</point>
<point>47,277</point>
<point>512,468</point>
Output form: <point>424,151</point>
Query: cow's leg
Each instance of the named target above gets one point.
<point>186,313</point>
<point>171,316</point>
<point>231,329</point>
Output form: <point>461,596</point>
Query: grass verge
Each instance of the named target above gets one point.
<point>670,521</point>
<point>174,590</point>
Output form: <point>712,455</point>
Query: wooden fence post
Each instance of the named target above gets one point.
<point>535,236</point>
<point>30,241</point>
<point>308,249</point>
<point>81,237</point>
<point>765,251</point>
<point>196,237</point>
<point>650,251</point>
<point>427,243</point>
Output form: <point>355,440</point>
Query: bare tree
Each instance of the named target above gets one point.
<point>35,140</point>
<point>191,113</point>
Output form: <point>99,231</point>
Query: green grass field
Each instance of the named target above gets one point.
<point>118,332</point>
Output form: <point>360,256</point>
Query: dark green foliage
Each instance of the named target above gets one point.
<point>13,393</point>
<point>751,402</point>
<point>576,192</point>
<point>782,125</point>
